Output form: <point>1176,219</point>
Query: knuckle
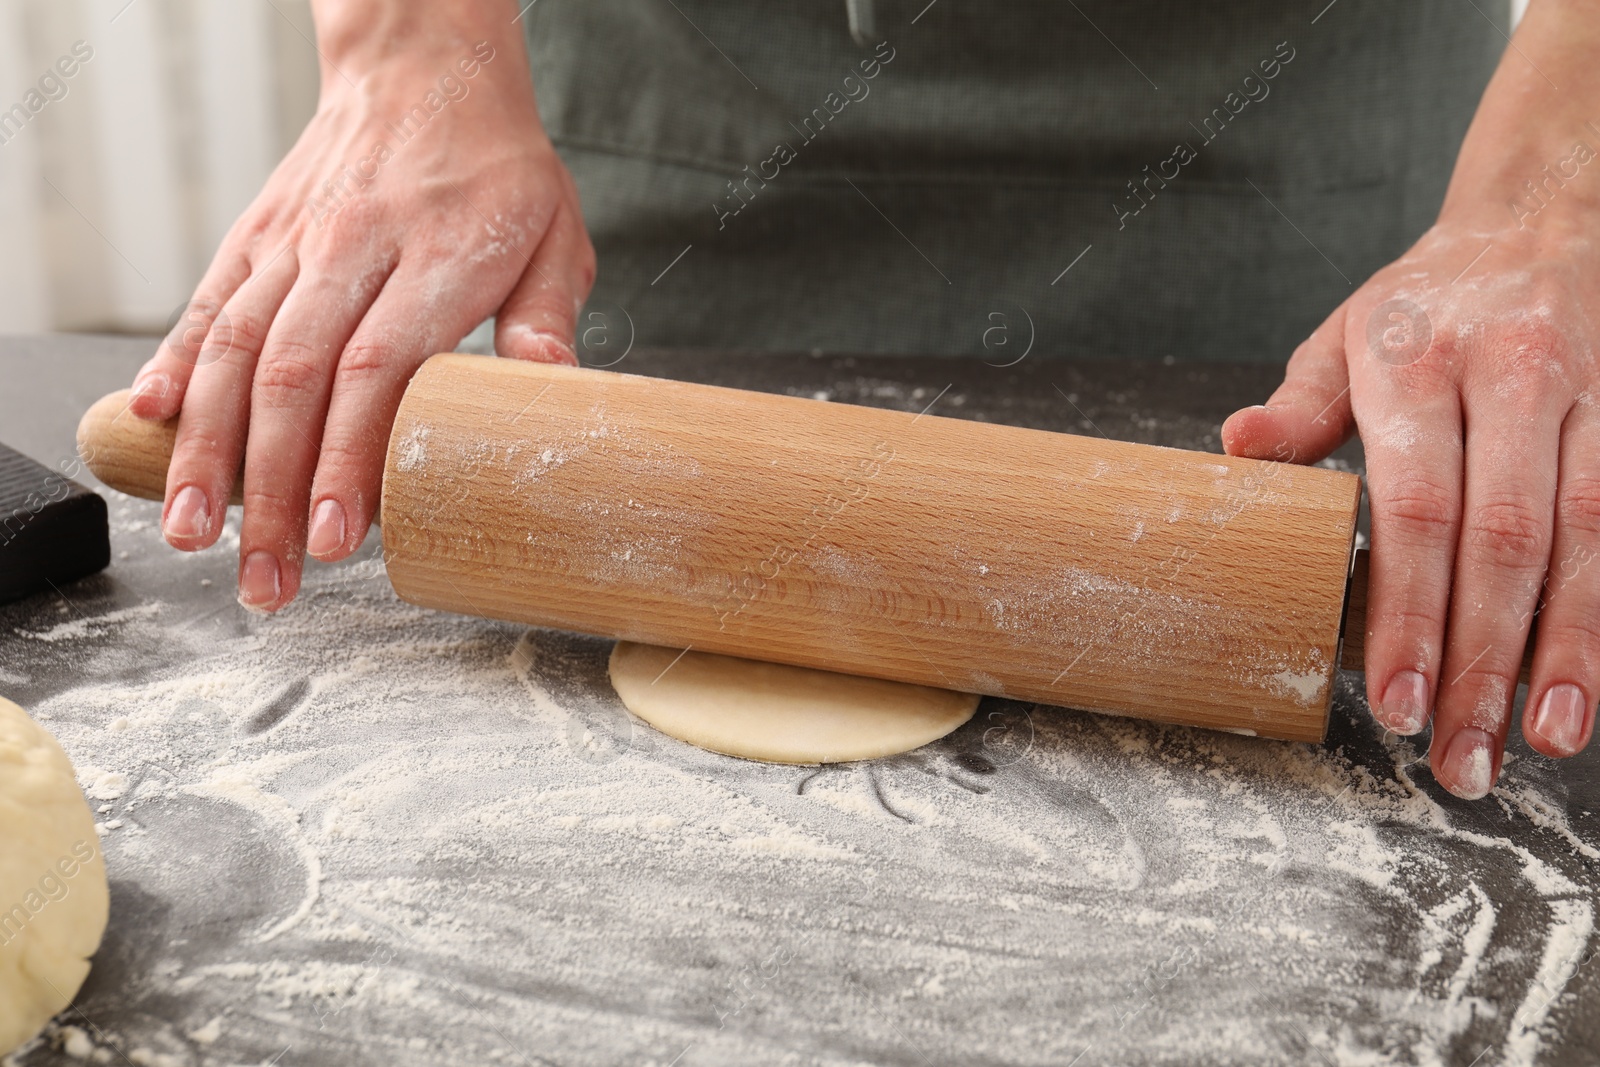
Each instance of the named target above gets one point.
<point>1417,510</point>
<point>1578,504</point>
<point>198,447</point>
<point>235,331</point>
<point>1404,620</point>
<point>257,219</point>
<point>1428,380</point>
<point>365,359</point>
<point>1448,341</point>
<point>292,369</point>
<point>1529,354</point>
<point>353,224</point>
<point>268,502</point>
<point>1573,632</point>
<point>1509,529</point>
<point>1536,337</point>
<point>349,461</point>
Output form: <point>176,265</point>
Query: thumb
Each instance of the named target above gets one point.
<point>538,320</point>
<point>1309,415</point>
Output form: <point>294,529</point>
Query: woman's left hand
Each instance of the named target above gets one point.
<point>1469,366</point>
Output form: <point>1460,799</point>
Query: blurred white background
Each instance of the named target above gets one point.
<point>114,193</point>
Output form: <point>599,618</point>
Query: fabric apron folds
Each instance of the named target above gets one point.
<point>1122,180</point>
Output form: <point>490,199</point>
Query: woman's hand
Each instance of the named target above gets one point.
<point>1470,368</point>
<point>422,198</point>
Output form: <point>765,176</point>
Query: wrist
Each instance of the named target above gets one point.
<point>357,37</point>
<point>1549,183</point>
<point>1533,150</point>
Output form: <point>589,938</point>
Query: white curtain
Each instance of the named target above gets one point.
<point>132,133</point>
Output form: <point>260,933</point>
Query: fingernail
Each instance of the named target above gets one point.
<point>1404,708</point>
<point>1560,717</point>
<point>1469,763</point>
<point>155,384</point>
<point>259,583</point>
<point>189,514</point>
<point>552,349</point>
<point>327,529</point>
<point>540,346</point>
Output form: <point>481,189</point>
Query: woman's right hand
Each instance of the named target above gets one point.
<point>423,197</point>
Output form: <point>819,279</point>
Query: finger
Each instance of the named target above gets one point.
<point>538,320</point>
<point>1309,415</point>
<point>159,386</point>
<point>1411,431</point>
<point>1513,441</point>
<point>215,414</point>
<point>288,406</point>
<point>414,317</point>
<point>1565,682</point>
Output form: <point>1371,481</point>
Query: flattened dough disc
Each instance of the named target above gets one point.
<point>778,713</point>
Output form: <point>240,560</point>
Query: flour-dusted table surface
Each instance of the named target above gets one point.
<point>363,833</point>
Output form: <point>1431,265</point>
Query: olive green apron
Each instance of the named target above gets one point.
<point>1132,179</point>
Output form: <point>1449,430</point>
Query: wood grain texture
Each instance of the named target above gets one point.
<point>1124,578</point>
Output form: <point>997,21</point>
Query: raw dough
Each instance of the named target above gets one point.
<point>53,895</point>
<point>780,714</point>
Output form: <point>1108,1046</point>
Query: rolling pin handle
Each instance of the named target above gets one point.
<point>127,453</point>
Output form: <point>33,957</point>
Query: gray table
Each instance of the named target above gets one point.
<point>365,833</point>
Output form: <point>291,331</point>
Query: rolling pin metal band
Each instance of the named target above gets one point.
<point>1352,655</point>
<point>1125,578</point>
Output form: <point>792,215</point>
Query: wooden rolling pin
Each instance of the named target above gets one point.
<point>1172,585</point>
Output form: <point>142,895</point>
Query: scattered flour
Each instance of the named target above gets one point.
<point>364,822</point>
<point>80,628</point>
<point>414,449</point>
<point>1306,686</point>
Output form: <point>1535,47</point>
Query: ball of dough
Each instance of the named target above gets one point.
<point>53,893</point>
<point>777,713</point>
